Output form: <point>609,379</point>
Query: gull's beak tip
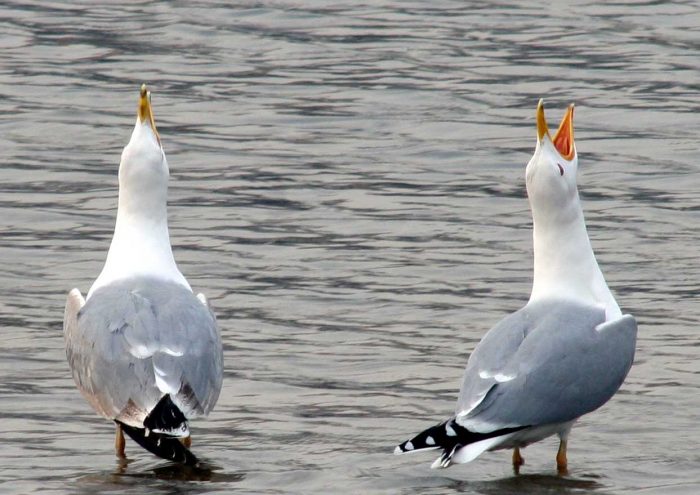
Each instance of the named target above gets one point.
<point>145,111</point>
<point>542,129</point>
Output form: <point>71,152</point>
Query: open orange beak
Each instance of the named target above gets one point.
<point>564,138</point>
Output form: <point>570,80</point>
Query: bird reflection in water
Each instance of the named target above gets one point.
<point>177,472</point>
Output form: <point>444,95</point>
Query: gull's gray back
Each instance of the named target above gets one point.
<point>133,330</point>
<point>546,363</point>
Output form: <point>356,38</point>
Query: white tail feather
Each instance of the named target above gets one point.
<point>470,452</point>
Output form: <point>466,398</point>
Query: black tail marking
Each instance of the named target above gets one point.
<point>164,446</point>
<point>166,418</point>
<point>161,431</point>
<point>450,437</point>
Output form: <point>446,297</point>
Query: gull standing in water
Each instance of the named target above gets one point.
<point>564,354</point>
<point>144,350</point>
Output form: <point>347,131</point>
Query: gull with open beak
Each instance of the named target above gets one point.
<point>143,349</point>
<point>562,355</point>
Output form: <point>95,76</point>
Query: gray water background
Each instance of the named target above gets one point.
<point>347,187</point>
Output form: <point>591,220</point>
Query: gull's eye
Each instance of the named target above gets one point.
<point>561,169</point>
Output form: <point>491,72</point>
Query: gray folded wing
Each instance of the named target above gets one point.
<point>136,340</point>
<point>550,362</point>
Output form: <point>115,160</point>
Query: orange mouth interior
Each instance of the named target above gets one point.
<point>564,138</point>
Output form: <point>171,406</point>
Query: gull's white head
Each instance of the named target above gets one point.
<point>141,243</point>
<point>551,173</point>
<point>143,170</point>
<point>565,266</point>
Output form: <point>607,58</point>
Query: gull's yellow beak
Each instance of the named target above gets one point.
<point>542,129</point>
<point>564,138</point>
<point>145,111</point>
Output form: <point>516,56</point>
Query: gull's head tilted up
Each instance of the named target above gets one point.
<point>551,172</point>
<point>143,170</point>
<point>565,266</point>
<point>141,243</point>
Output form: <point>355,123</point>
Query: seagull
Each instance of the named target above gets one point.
<point>143,349</point>
<point>564,354</point>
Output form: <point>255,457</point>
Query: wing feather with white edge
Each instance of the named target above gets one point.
<point>569,362</point>
<point>138,339</point>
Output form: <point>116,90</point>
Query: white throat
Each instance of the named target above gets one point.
<point>141,243</point>
<point>565,265</point>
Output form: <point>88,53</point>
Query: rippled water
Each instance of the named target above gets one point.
<point>347,186</point>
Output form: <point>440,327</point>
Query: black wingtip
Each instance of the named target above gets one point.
<point>430,439</point>
<point>448,436</point>
<point>166,418</point>
<point>163,446</point>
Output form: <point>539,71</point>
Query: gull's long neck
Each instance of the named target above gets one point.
<point>141,243</point>
<point>565,265</point>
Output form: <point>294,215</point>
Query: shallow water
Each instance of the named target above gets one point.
<point>347,187</point>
